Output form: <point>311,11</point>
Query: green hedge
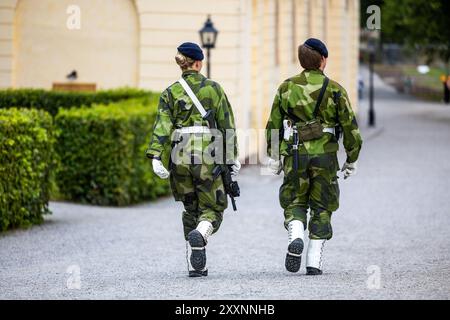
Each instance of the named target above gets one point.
<point>26,161</point>
<point>102,154</point>
<point>52,100</point>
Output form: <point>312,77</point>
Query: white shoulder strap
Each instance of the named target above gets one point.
<point>193,97</point>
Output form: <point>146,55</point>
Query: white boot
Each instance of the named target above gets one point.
<point>191,271</point>
<point>314,257</point>
<point>296,232</point>
<point>205,228</point>
<point>198,239</point>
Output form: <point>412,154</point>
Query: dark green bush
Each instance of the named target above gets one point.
<point>102,154</point>
<point>50,101</point>
<point>26,161</point>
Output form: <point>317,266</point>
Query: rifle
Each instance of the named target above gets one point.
<point>338,127</point>
<point>295,143</point>
<point>231,187</point>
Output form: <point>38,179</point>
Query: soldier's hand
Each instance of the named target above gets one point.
<point>275,166</point>
<point>349,169</point>
<point>235,167</point>
<point>159,170</point>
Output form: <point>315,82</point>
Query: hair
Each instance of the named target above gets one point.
<point>309,58</point>
<point>184,62</point>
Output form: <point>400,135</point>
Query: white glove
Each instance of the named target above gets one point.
<point>275,166</point>
<point>159,170</point>
<point>349,169</point>
<point>235,167</point>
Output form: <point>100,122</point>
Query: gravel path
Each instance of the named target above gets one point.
<point>390,234</point>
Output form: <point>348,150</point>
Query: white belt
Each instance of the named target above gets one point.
<point>329,130</point>
<point>194,129</point>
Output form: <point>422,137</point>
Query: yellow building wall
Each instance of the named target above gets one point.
<point>353,58</point>
<point>7,10</point>
<point>133,42</point>
<point>317,15</point>
<point>166,24</point>
<point>274,56</point>
<point>342,30</point>
<point>279,26</point>
<point>264,73</point>
<point>336,39</point>
<point>105,46</point>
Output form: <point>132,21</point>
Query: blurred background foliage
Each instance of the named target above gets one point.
<point>413,32</point>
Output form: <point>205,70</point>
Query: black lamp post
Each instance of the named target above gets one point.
<point>371,47</point>
<point>208,37</point>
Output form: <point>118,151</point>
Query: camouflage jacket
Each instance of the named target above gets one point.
<point>297,96</point>
<point>176,110</point>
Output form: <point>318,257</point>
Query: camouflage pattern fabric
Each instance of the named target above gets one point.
<point>176,110</point>
<point>192,181</point>
<point>203,197</point>
<point>296,98</point>
<point>315,185</point>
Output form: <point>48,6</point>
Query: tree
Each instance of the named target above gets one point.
<point>422,24</point>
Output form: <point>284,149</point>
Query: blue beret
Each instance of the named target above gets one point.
<point>317,45</point>
<point>191,50</point>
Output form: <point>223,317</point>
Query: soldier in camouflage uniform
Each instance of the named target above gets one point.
<point>192,179</point>
<point>315,184</point>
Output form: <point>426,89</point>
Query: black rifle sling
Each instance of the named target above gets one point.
<point>319,99</point>
<point>336,97</point>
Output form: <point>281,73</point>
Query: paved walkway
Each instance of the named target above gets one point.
<point>391,233</point>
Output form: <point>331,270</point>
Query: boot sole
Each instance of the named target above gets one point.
<point>197,274</point>
<point>293,257</point>
<point>311,271</point>
<point>198,256</point>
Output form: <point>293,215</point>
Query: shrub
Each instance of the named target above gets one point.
<point>50,101</point>
<point>26,160</point>
<point>102,154</point>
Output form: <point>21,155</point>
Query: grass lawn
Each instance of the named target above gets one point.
<point>429,80</point>
<point>425,86</point>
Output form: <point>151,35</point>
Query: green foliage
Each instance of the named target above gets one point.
<point>102,152</point>
<point>423,24</point>
<point>26,161</point>
<point>52,100</point>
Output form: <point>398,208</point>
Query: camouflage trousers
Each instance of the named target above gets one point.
<point>203,197</point>
<point>314,186</point>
